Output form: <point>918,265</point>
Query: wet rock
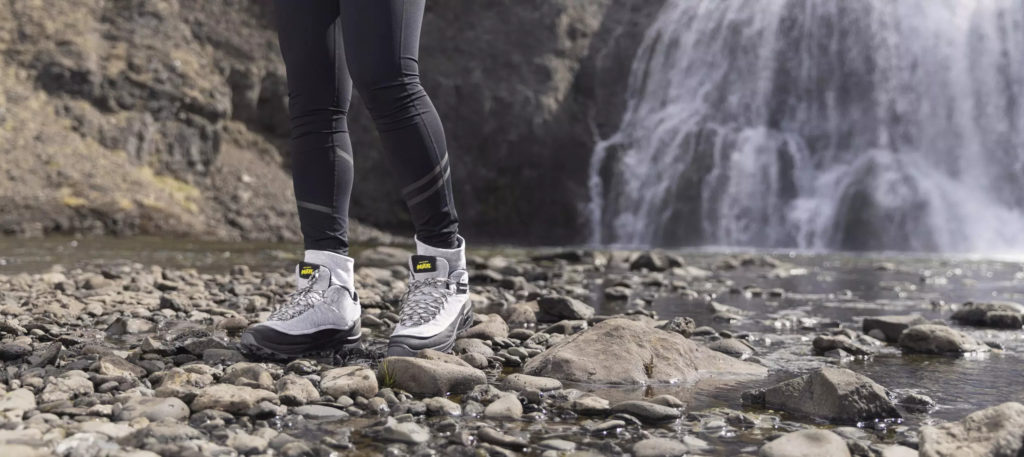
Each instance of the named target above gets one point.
<point>430,377</point>
<point>826,343</point>
<point>732,347</point>
<point>153,408</point>
<point>589,405</point>
<point>891,327</point>
<point>995,431</point>
<point>488,327</point>
<point>66,387</point>
<point>159,435</point>
<point>655,261</point>
<point>681,325</point>
<point>296,391</point>
<point>350,381</point>
<point>507,407</point>
<point>647,411</point>
<point>492,436</point>
<point>660,447</point>
<point>439,406</point>
<point>229,398</point>
<point>561,307</point>
<point>247,444</point>
<point>520,382</point>
<point>834,394</point>
<point>938,339</point>
<point>620,351</point>
<point>478,361</point>
<point>558,445</point>
<point>472,346</point>
<point>991,314</point>
<point>917,403</point>
<point>249,375</point>
<point>404,432</point>
<point>806,443</point>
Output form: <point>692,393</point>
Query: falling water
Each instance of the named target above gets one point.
<point>869,124</point>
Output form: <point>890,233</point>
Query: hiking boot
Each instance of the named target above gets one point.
<point>436,307</point>
<point>322,315</point>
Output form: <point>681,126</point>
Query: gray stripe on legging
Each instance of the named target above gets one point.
<point>437,169</point>
<point>432,189</point>
<point>315,207</point>
<point>344,154</point>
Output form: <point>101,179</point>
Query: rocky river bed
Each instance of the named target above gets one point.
<point>575,352</point>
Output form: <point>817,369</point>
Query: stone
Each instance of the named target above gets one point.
<point>247,444</point>
<point>14,351</point>
<point>520,382</point>
<point>999,314</point>
<point>834,394</point>
<point>67,386</point>
<point>229,398</point>
<point>472,346</point>
<point>681,325</point>
<point>478,361</point>
<point>891,326</point>
<point>430,354</point>
<point>621,351</point>
<point>506,407</point>
<point>938,339</point>
<point>296,391</point>
<point>248,374</point>
<point>349,381</point>
<point>153,408</point>
<point>14,404</point>
<point>439,406</point>
<point>899,451</point>
<point>487,327</point>
<point>647,412</point>
<point>824,343</point>
<point>655,261</point>
<point>177,382</point>
<point>732,347</point>
<point>806,443</point>
<point>995,431</point>
<point>116,366</point>
<point>430,377</point>
<point>562,307</point>
<point>320,412</point>
<point>492,436</point>
<point>404,432</point>
<point>659,447</point>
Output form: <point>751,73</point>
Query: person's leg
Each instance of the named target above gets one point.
<point>319,91</point>
<point>324,313</point>
<point>382,49</point>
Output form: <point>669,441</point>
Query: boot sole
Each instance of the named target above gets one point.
<point>327,342</point>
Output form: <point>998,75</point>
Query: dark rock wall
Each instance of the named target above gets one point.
<point>170,117</point>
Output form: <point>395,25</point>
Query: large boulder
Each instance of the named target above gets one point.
<point>1000,314</point>
<point>939,339</point>
<point>834,394</point>
<point>621,351</point>
<point>994,432</point>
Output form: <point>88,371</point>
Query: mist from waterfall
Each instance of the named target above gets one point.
<point>863,125</point>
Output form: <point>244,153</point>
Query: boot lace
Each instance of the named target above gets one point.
<point>299,301</point>
<point>424,300</point>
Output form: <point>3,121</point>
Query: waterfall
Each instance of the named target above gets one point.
<point>819,124</point>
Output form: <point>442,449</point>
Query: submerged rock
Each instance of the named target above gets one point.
<point>992,314</point>
<point>890,327</point>
<point>996,431</point>
<point>806,443</point>
<point>621,351</point>
<point>939,339</point>
<point>834,394</point>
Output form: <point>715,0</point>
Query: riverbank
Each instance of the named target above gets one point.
<point>592,352</point>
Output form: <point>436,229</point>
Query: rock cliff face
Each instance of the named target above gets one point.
<point>170,116</point>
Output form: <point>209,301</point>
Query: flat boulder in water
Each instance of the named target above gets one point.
<point>996,431</point>
<point>891,326</point>
<point>1001,314</point>
<point>834,394</point>
<point>938,339</point>
<point>806,443</point>
<point>621,351</point>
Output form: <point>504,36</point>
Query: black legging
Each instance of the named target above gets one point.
<point>327,45</point>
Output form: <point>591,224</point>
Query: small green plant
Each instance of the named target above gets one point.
<point>385,376</point>
<point>649,367</point>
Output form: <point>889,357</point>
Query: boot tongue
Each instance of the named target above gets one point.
<point>428,266</point>
<point>305,271</point>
